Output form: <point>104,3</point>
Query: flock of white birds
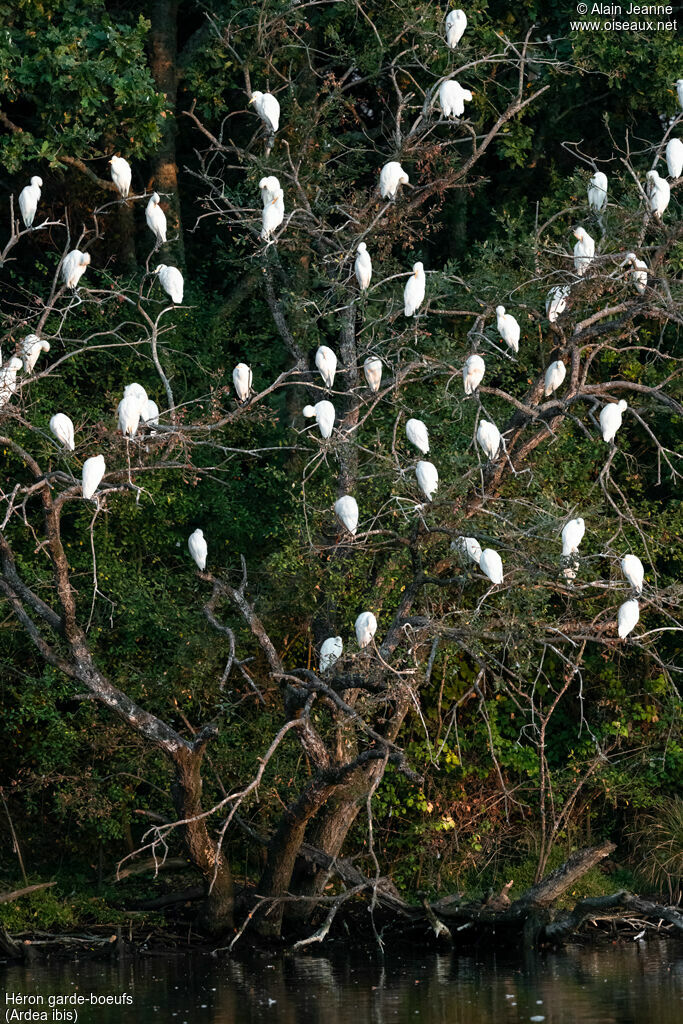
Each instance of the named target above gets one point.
<point>135,407</point>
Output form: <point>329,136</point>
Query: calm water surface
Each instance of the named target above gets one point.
<point>637,983</point>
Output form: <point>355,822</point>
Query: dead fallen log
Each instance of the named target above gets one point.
<point>9,897</point>
<point>617,906</point>
<point>195,892</point>
<point>549,890</point>
<point>152,864</point>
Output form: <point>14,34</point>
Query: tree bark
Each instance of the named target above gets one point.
<point>164,67</point>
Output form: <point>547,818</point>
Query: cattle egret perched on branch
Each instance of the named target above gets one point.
<point>8,379</point>
<point>363,266</point>
<point>129,416</point>
<point>633,571</point>
<point>658,192</point>
<point>121,174</point>
<point>63,429</point>
<point>366,627</point>
<point>372,368</point>
<point>452,98</point>
<point>156,219</point>
<point>674,158</point>
<point>468,546</point>
<point>597,192</point>
<point>29,198</point>
<point>508,328</point>
<point>93,471</point>
<point>414,291</point>
<point>491,565</point>
<point>273,215</point>
<point>572,535</point>
<point>488,438</point>
<point>150,413</point>
<point>267,108</point>
<point>627,617</point>
<point>241,378</point>
<point>74,267</point>
<point>270,187</point>
<point>473,373</point>
<point>584,251</point>
<point>198,548</point>
<point>326,361</point>
<point>330,652</point>
<point>554,376</point>
<point>324,415</point>
<point>610,419</point>
<point>346,511</point>
<point>138,393</point>
<point>417,434</point>
<point>427,478</point>
<point>31,347</point>
<point>637,276</point>
<point>171,280</point>
<point>390,177</point>
<point>556,301</point>
<point>456,23</point>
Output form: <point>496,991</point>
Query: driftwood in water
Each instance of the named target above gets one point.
<point>617,906</point>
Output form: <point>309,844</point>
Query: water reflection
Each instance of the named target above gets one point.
<point>637,983</point>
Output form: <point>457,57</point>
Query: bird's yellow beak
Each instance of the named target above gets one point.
<point>250,101</point>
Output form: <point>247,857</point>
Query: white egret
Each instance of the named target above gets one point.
<point>417,434</point>
<point>121,174</point>
<point>488,438</point>
<point>452,98</point>
<point>372,368</point>
<point>366,627</point>
<point>29,197</point>
<point>597,192</point>
<point>346,511</point>
<point>508,328</point>
<point>363,267</point>
<point>468,546</point>
<point>198,548</point>
<point>572,535</point>
<point>324,415</point>
<point>679,91</point>
<point>326,362</point>
<point>456,23</point>
<point>150,413</point>
<point>267,108</point>
<point>270,187</point>
<point>273,215</point>
<point>137,392</point>
<point>74,267</point>
<point>556,301</point>
<point>554,376</point>
<point>8,379</point>
<point>638,275</point>
<point>241,379</point>
<point>156,219</point>
<point>427,478</point>
<point>171,280</point>
<point>473,373</point>
<point>31,347</point>
<point>584,251</point>
<point>633,571</point>
<point>390,177</point>
<point>627,617</point>
<point>129,416</point>
<point>93,471</point>
<point>610,419</point>
<point>674,158</point>
<point>63,429</point>
<point>414,291</point>
<point>330,652</point>
<point>491,564</point>
<point>658,192</point>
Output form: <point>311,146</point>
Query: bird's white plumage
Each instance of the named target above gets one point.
<point>417,434</point>
<point>633,571</point>
<point>150,413</point>
<point>638,275</point>
<point>136,392</point>
<point>330,652</point>
<point>473,373</point>
<point>414,291</point>
<point>427,478</point>
<point>324,415</point>
<point>121,174</point>
<point>74,267</point>
<point>346,511</point>
<point>270,187</point>
<point>470,547</point>
<point>572,535</point>
<point>273,215</point>
<point>29,197</point>
<point>241,379</point>
<point>658,192</point>
<point>198,548</point>
<point>674,158</point>
<point>8,379</point>
<point>491,564</point>
<point>584,251</point>
<point>456,23</point>
<point>31,347</point>
<point>366,627</point>
<point>156,218</point>
<point>268,109</point>
<point>326,362</point>
<point>452,98</point>
<point>508,328</point>
<point>129,416</point>
<point>171,280</point>
<point>610,419</point>
<point>63,429</point>
<point>363,266</point>
<point>627,617</point>
<point>390,177</point>
<point>554,376</point>
<point>597,192</point>
<point>556,301</point>
<point>93,471</point>
<point>488,438</point>
<point>372,368</point>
